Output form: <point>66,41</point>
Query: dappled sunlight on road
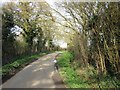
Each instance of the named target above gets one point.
<point>44,83</point>
<point>51,74</point>
<point>37,69</point>
<point>41,67</point>
<point>35,83</point>
<point>38,74</point>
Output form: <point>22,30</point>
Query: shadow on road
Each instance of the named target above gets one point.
<point>58,80</point>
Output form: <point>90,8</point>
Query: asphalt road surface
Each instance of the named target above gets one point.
<point>39,74</point>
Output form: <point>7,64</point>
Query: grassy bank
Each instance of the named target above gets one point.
<point>19,63</point>
<point>78,77</point>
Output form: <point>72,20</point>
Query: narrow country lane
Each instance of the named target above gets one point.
<point>39,74</point>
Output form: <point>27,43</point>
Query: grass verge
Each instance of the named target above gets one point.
<point>83,77</point>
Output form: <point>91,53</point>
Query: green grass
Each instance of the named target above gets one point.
<point>94,80</point>
<point>6,69</point>
<point>70,76</point>
<point>86,77</point>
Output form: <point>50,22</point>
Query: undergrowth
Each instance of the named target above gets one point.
<point>8,68</point>
<point>75,76</point>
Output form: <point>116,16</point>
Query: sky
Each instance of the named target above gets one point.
<point>51,2</point>
<point>61,43</point>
